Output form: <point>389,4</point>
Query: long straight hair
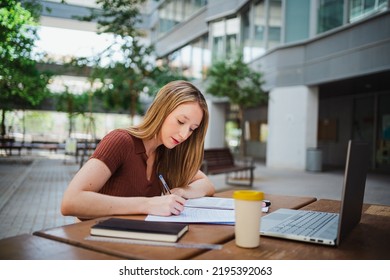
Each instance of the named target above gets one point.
<point>180,164</point>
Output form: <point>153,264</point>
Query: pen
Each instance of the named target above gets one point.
<point>164,183</point>
<point>266,203</point>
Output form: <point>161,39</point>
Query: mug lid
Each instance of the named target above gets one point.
<point>248,195</point>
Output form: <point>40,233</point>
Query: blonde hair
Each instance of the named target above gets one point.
<point>180,164</point>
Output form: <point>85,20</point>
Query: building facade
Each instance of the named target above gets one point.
<point>326,66</point>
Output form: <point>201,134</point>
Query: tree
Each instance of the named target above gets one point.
<point>123,80</point>
<point>73,104</point>
<point>118,17</point>
<point>127,67</point>
<point>234,79</point>
<point>123,68</point>
<point>20,81</point>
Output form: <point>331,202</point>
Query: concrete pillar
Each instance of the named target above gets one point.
<point>215,137</point>
<point>292,126</point>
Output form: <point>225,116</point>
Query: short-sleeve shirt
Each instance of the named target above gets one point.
<point>125,156</point>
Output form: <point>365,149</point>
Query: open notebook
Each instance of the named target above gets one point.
<point>211,210</point>
<point>321,227</point>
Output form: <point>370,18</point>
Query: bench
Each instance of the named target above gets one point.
<point>50,146</point>
<point>221,161</point>
<point>79,148</point>
<point>9,145</point>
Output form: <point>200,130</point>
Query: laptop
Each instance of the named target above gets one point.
<point>322,227</point>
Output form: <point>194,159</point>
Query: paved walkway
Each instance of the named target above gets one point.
<point>31,189</point>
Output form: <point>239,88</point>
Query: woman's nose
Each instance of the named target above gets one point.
<point>184,133</point>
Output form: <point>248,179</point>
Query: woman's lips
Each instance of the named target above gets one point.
<point>175,141</point>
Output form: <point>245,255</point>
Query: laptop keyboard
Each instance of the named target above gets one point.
<point>305,223</point>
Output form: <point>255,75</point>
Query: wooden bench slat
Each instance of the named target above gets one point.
<point>221,160</point>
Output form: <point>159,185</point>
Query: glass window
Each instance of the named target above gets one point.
<point>232,30</point>
<point>218,51</point>
<point>274,23</point>
<point>246,36</point>
<point>206,57</point>
<point>218,33</point>
<point>196,65</point>
<point>192,60</point>
<point>231,45</point>
<point>362,8</point>
<point>330,14</point>
<point>259,26</point>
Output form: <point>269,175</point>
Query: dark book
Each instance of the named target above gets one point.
<point>140,229</point>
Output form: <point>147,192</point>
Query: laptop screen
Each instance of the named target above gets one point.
<point>354,185</point>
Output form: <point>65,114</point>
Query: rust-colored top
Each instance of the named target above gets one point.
<point>125,156</point>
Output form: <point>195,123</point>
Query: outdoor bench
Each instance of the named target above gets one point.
<point>9,145</point>
<point>221,161</point>
<point>42,145</point>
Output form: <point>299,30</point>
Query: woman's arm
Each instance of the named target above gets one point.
<point>81,199</point>
<point>199,186</point>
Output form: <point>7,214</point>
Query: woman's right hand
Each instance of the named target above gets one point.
<point>166,205</point>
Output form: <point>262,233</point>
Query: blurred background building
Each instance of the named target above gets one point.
<point>326,67</point>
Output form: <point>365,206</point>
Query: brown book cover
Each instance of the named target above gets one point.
<point>140,229</point>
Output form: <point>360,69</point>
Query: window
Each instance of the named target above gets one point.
<point>359,9</point>
<point>330,15</point>
<point>246,36</point>
<point>191,60</point>
<point>259,26</point>
<point>274,23</point>
<point>218,33</point>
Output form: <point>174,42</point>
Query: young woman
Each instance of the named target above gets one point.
<point>121,177</point>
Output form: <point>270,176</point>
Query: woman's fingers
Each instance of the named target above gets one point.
<point>177,204</point>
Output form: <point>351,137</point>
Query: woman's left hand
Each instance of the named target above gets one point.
<point>179,191</point>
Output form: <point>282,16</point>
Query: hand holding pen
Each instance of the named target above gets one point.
<point>178,206</point>
<point>165,185</point>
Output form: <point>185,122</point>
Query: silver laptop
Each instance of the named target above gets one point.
<point>322,227</point>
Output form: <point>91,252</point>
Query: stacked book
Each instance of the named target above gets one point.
<point>139,229</point>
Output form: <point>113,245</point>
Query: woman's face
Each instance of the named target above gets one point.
<point>180,124</point>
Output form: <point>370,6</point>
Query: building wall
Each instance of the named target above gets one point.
<point>294,74</point>
<point>357,50</point>
<point>354,50</point>
<point>292,121</point>
<point>215,137</point>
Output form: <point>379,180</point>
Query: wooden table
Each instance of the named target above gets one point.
<point>30,247</point>
<point>76,234</point>
<point>369,240</point>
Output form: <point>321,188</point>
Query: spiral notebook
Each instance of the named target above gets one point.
<point>322,227</point>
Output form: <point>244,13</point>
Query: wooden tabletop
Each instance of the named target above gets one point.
<point>30,247</point>
<point>76,234</point>
<point>368,240</point>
